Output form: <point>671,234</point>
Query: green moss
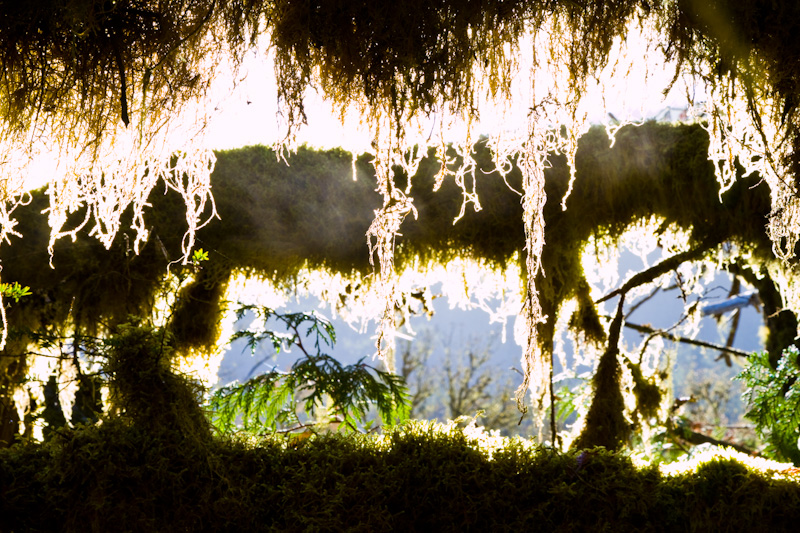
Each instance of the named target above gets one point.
<point>143,388</point>
<point>605,423</point>
<point>196,318</point>
<point>119,476</point>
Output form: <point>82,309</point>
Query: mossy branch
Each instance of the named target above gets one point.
<point>605,422</point>
<point>686,340</point>
<point>671,263</point>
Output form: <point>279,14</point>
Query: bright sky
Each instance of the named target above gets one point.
<point>250,115</point>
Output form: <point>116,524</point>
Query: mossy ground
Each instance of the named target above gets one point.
<point>121,477</point>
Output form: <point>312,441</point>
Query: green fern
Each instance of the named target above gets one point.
<point>269,402</point>
<point>773,397</point>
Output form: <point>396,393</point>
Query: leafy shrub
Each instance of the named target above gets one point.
<point>773,397</point>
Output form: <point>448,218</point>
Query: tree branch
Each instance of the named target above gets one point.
<point>662,268</point>
<point>694,438</point>
<point>686,340</point>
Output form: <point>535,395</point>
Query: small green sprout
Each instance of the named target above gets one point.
<point>199,256</point>
<point>14,290</point>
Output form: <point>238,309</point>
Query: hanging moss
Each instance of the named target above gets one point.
<point>585,319</point>
<point>400,56</point>
<point>646,391</point>
<point>643,175</point>
<point>392,58</point>
<point>492,235</point>
<point>89,286</point>
<point>277,219</point>
<point>196,318</point>
<point>395,55</point>
<point>751,41</point>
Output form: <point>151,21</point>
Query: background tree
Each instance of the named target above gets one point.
<point>464,384</point>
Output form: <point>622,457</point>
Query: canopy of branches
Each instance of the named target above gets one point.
<point>265,230</point>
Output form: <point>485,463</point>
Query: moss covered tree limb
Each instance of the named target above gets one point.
<point>605,423</point>
<point>278,219</point>
<point>268,228</point>
<point>661,268</point>
<point>677,338</point>
<point>391,60</point>
<point>781,322</point>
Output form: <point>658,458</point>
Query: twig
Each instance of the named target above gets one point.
<point>295,428</point>
<point>641,302</point>
<point>686,340</point>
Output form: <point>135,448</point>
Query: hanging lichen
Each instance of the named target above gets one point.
<point>265,230</point>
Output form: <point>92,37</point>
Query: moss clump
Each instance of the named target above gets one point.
<point>143,388</point>
<point>196,318</point>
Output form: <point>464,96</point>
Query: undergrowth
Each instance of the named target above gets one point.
<point>121,476</point>
<point>153,464</point>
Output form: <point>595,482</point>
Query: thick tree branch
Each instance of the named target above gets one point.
<point>694,438</point>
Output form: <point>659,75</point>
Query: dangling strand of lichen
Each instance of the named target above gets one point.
<point>12,195</point>
<point>536,370</point>
<point>747,129</point>
<point>188,178</point>
<point>390,150</point>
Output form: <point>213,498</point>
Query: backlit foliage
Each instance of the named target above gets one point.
<point>330,392</point>
<point>119,90</point>
<point>626,190</point>
<point>773,396</point>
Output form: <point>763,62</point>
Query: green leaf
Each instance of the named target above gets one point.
<point>773,400</point>
<point>199,256</point>
<point>14,290</point>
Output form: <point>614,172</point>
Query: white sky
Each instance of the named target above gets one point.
<point>250,115</point>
